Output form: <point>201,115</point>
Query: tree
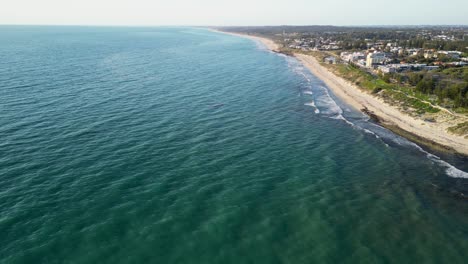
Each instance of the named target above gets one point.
<point>386,78</point>
<point>425,86</point>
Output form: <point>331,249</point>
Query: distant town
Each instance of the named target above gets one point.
<point>391,54</point>
<point>421,60</point>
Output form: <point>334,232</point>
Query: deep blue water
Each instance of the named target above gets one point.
<point>180,145</point>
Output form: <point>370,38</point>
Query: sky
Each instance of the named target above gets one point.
<point>233,12</point>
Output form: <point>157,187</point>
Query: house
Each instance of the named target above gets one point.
<point>375,58</point>
<point>361,63</point>
<point>386,68</point>
<point>352,57</point>
<point>430,68</point>
<point>396,50</point>
<point>457,63</point>
<point>429,53</point>
<point>389,68</point>
<point>414,52</point>
<point>451,54</point>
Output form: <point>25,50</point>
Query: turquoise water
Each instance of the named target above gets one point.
<point>180,145</point>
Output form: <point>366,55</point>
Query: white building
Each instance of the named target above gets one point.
<point>413,52</point>
<point>405,67</point>
<point>375,58</point>
<point>386,68</point>
<point>451,54</point>
<point>352,57</point>
<point>458,63</point>
<point>429,54</point>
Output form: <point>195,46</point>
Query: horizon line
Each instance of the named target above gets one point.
<point>266,25</point>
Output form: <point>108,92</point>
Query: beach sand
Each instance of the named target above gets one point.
<point>270,44</point>
<point>390,116</point>
<point>433,134</point>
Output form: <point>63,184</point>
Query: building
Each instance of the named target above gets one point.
<point>429,54</point>
<point>451,54</point>
<point>389,68</point>
<point>361,63</point>
<point>375,58</point>
<point>397,50</point>
<point>414,52</point>
<point>386,68</point>
<point>352,57</point>
<point>430,68</point>
<point>330,60</point>
<point>457,63</point>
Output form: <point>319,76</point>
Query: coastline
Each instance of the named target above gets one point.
<point>431,134</point>
<point>420,131</point>
<point>268,43</point>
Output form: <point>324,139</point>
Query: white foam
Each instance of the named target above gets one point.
<point>316,110</point>
<point>331,109</point>
<point>260,45</point>
<point>341,117</point>
<point>451,170</point>
<point>454,172</point>
<point>304,75</point>
<point>370,132</point>
<point>330,105</point>
<point>338,117</point>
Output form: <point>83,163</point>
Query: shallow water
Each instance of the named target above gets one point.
<point>180,145</point>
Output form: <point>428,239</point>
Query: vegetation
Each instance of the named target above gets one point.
<point>405,96</point>
<point>418,91</point>
<point>449,86</point>
<point>356,38</point>
<point>460,129</point>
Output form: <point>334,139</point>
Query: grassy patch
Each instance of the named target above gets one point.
<point>460,129</point>
<point>410,102</point>
<point>394,93</point>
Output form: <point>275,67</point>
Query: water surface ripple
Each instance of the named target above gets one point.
<point>180,145</point>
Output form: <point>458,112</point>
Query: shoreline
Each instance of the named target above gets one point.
<point>268,43</point>
<point>432,135</point>
<point>429,134</point>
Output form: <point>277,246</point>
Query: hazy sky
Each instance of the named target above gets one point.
<point>233,12</point>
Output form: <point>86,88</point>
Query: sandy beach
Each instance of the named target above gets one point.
<point>388,115</point>
<point>429,133</point>
<point>270,44</point>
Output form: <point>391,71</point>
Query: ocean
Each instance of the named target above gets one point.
<point>182,145</point>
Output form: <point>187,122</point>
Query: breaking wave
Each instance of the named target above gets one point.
<point>327,106</point>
